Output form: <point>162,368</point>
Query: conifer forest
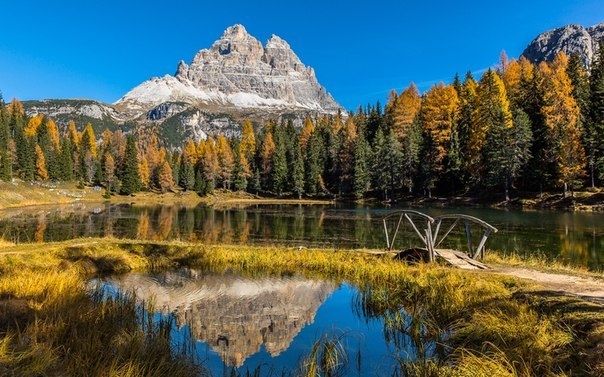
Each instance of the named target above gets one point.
<point>519,128</point>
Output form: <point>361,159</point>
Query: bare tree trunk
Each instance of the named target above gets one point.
<point>593,181</point>
<point>565,189</point>
<point>507,191</point>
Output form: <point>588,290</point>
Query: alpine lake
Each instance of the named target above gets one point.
<point>267,325</point>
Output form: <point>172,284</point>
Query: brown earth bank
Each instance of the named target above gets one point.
<point>21,194</point>
<point>589,201</point>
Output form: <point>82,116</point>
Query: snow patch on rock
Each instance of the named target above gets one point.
<point>236,71</point>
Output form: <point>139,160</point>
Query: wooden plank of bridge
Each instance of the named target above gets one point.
<point>459,259</point>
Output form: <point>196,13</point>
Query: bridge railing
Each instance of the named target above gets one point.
<point>466,221</point>
<point>431,236</point>
<point>424,222</point>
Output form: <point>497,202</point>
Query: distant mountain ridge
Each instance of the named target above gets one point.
<point>570,39</point>
<point>236,78</point>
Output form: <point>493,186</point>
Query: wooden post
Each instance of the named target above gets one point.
<point>480,250</point>
<point>429,246</point>
<point>469,237</point>
<point>387,239</point>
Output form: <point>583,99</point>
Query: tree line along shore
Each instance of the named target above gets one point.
<point>520,128</point>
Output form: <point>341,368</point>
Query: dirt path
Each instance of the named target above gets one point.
<point>585,287</point>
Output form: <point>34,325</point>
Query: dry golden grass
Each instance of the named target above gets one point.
<point>487,322</point>
<point>52,324</point>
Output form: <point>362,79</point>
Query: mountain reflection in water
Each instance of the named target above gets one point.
<point>233,315</point>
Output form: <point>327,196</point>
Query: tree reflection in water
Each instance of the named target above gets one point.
<point>415,332</point>
<point>576,238</point>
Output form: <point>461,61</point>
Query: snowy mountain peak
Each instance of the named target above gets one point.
<point>236,72</point>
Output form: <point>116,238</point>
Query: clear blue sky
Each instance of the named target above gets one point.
<point>360,50</point>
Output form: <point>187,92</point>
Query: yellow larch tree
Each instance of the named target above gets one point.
<point>152,153</point>
<point>109,171</point>
<point>226,160</point>
<point>439,111</point>
<point>107,140</point>
<point>74,136</point>
<point>266,154</point>
<point>511,77</point>
<point>403,109</point>
<point>247,145</point>
<point>41,172</point>
<point>88,140</point>
<point>561,115</point>
<point>307,129</point>
<point>346,155</point>
<point>16,110</point>
<point>143,172</point>
<point>492,110</point>
<point>189,154</point>
<point>165,178</point>
<point>53,132</point>
<point>33,124</point>
<point>209,161</point>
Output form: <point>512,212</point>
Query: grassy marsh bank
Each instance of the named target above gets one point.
<point>24,194</point>
<point>486,324</point>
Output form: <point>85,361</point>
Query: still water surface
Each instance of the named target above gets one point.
<point>577,238</point>
<point>270,323</point>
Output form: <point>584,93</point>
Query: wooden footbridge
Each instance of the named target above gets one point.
<point>432,234</point>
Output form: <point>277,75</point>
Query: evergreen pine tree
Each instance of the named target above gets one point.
<point>255,184</point>
<point>594,127</point>
<point>298,172</point>
<point>581,93</point>
<point>506,151</point>
<point>467,106</point>
<point>24,146</point>
<point>491,122</point>
<point>200,185</point>
<point>6,172</point>
<point>130,180</point>
<point>362,173</point>
<point>175,165</point>
<point>279,165</point>
<point>187,175</point>
<point>314,164</point>
<point>65,160</point>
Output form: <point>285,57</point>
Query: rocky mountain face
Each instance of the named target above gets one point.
<point>237,72</point>
<point>236,78</point>
<point>570,39</point>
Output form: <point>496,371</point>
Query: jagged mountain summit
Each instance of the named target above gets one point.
<point>570,39</point>
<point>236,78</point>
<point>236,72</point>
